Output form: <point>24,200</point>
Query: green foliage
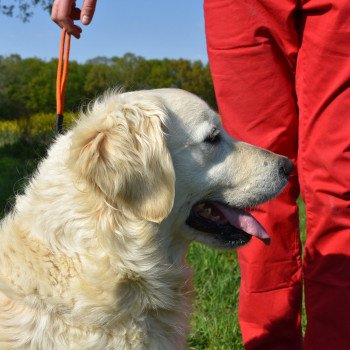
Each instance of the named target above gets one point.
<point>37,126</point>
<point>27,86</point>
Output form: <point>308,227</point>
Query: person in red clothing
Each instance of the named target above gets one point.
<point>281,72</point>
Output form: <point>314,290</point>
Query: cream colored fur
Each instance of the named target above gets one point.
<point>93,254</point>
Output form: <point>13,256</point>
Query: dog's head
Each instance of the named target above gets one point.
<point>164,155</point>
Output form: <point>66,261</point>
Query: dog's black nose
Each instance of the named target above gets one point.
<point>286,167</point>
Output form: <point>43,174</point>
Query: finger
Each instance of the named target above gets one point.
<point>75,13</point>
<point>61,11</point>
<point>87,11</point>
<point>71,28</point>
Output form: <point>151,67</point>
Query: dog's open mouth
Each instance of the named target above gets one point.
<point>231,226</point>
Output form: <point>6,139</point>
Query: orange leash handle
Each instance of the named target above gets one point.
<point>62,71</point>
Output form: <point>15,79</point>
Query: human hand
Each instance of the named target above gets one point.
<point>65,11</point>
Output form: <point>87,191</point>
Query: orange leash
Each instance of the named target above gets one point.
<point>62,71</point>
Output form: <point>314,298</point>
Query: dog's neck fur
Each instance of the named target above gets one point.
<point>112,278</point>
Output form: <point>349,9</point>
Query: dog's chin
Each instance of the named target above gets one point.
<point>222,226</point>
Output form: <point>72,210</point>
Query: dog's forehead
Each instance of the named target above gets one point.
<point>190,116</point>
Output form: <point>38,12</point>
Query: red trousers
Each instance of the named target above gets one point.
<point>281,72</point>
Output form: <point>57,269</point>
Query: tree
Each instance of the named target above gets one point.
<point>27,86</point>
<point>22,8</point>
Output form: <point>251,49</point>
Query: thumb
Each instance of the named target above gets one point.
<point>87,11</point>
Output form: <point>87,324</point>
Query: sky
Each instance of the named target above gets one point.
<point>148,28</point>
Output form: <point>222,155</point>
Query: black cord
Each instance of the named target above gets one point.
<point>59,124</point>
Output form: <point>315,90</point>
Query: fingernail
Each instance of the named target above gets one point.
<point>85,19</point>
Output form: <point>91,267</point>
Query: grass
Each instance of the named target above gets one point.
<point>214,321</point>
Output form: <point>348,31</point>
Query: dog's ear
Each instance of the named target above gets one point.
<point>120,148</point>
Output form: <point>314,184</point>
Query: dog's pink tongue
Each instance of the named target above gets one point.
<point>245,222</point>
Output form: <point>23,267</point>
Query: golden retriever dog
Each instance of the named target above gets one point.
<point>92,255</point>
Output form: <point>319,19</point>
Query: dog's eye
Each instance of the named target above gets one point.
<point>213,137</point>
